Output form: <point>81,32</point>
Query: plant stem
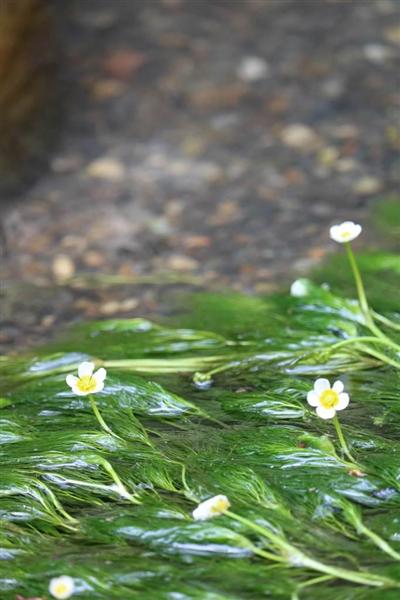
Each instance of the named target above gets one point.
<point>386,321</point>
<point>380,356</point>
<point>98,416</point>
<point>342,439</point>
<point>358,339</point>
<point>297,558</point>
<point>362,298</point>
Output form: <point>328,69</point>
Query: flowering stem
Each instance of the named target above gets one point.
<point>363,299</point>
<point>296,557</point>
<point>359,284</point>
<point>98,416</point>
<point>342,439</point>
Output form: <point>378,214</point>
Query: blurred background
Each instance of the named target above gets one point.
<point>148,144</point>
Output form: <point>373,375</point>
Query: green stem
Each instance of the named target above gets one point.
<point>98,416</point>
<point>120,487</point>
<point>386,321</point>
<point>363,299</point>
<point>380,356</point>
<point>295,557</point>
<point>378,541</point>
<point>358,339</point>
<point>342,439</point>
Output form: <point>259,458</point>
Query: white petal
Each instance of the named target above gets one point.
<point>85,368</point>
<point>71,380</point>
<point>298,289</point>
<point>338,387</point>
<point>210,508</point>
<point>200,514</point>
<point>62,587</point>
<point>100,374</point>
<point>98,388</point>
<point>343,401</point>
<point>321,385</point>
<point>345,232</point>
<point>325,413</point>
<point>313,398</point>
<point>78,392</point>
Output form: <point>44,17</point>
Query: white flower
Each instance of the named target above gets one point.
<point>299,288</point>
<point>87,382</point>
<point>327,399</point>
<point>213,507</point>
<point>345,232</point>
<point>62,587</point>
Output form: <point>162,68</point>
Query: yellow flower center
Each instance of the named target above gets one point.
<point>86,384</point>
<point>61,589</point>
<point>220,505</point>
<point>329,398</point>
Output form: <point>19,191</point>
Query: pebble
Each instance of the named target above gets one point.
<point>367,185</point>
<point>103,89</point>
<point>94,259</point>
<point>252,68</point>
<point>106,168</point>
<point>299,137</point>
<point>180,262</point>
<point>392,34</point>
<point>122,64</point>
<point>115,306</point>
<point>376,53</point>
<point>63,267</point>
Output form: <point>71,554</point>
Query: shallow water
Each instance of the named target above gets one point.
<point>114,511</point>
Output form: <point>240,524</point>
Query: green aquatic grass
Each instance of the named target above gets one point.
<point>113,510</point>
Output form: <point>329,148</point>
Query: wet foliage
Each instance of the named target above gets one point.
<point>212,403</point>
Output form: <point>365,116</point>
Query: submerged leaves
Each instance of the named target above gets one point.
<point>112,510</point>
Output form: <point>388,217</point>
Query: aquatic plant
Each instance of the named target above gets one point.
<point>215,404</point>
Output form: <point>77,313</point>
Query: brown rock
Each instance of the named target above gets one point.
<point>122,64</point>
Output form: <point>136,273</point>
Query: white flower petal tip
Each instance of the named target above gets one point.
<point>88,382</point>
<point>213,507</point>
<point>62,587</point>
<point>326,399</point>
<point>299,288</point>
<point>345,232</point>
<point>85,368</point>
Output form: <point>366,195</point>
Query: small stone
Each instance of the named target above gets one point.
<point>107,88</point>
<point>93,258</point>
<point>48,321</point>
<point>195,242</point>
<point>180,262</point>
<point>129,304</point>
<point>122,64</point>
<point>345,132</point>
<point>346,165</point>
<point>333,88</point>
<point>227,212</point>
<point>106,168</point>
<point>376,53</point>
<point>110,308</point>
<point>63,267</point>
<point>328,156</point>
<point>218,97</point>
<point>367,185</point>
<point>299,137</point>
<point>392,34</point>
<point>252,68</point>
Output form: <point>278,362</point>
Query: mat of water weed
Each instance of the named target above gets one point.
<point>214,403</point>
